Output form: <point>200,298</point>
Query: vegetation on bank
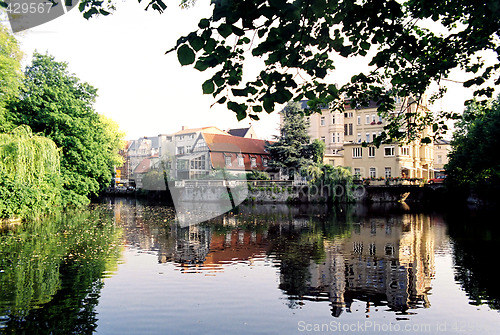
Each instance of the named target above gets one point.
<point>474,165</point>
<point>55,150</point>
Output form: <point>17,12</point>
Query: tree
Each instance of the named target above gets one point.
<point>293,150</point>
<point>10,71</point>
<point>57,104</point>
<point>29,174</point>
<point>473,164</point>
<point>298,39</point>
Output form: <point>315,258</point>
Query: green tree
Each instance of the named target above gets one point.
<point>57,104</point>
<point>292,150</point>
<point>297,40</point>
<point>474,165</point>
<point>29,174</point>
<point>10,71</point>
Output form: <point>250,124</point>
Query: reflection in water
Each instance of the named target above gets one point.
<point>51,272</point>
<point>335,260</point>
<point>322,255</point>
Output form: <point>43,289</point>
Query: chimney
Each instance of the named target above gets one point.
<point>183,127</point>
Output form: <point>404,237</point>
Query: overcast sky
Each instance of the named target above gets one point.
<point>144,90</point>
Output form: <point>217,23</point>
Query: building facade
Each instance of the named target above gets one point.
<point>349,140</point>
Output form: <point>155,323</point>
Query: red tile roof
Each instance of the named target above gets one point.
<point>144,166</point>
<point>221,146</point>
<point>228,143</point>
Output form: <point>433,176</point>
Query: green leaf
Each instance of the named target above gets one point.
<point>225,30</point>
<point>239,109</point>
<point>204,23</point>
<point>88,14</point>
<point>364,45</point>
<point>196,43</point>
<point>257,109</point>
<point>185,55</point>
<point>209,45</point>
<point>268,104</point>
<point>208,87</point>
<point>201,65</point>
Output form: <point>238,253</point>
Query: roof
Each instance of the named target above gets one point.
<point>144,166</point>
<point>441,142</point>
<point>240,132</point>
<point>228,143</point>
<point>211,129</point>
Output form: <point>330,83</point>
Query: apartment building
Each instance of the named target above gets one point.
<point>344,135</point>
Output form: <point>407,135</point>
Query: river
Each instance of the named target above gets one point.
<point>126,267</point>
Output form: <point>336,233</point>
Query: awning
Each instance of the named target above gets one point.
<point>191,156</point>
<point>407,168</point>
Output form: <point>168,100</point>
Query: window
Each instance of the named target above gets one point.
<point>333,138</point>
<point>359,119</point>
<point>371,151</point>
<point>388,172</point>
<point>439,159</point>
<point>191,137</point>
<point>228,160</point>
<point>373,172</point>
<point>350,128</point>
<point>264,161</point>
<point>241,161</point>
<point>323,139</point>
<point>180,150</point>
<point>357,152</point>
<point>198,163</point>
<point>404,151</point>
<point>380,119</point>
<point>253,162</point>
<point>333,119</point>
<point>388,151</point>
<point>345,129</point>
<point>373,136</point>
<point>181,138</point>
<point>349,114</point>
<point>188,148</point>
<point>367,137</point>
<point>367,119</point>
<point>338,137</point>
<point>359,137</point>
<point>322,121</point>
<point>357,172</point>
<point>373,118</point>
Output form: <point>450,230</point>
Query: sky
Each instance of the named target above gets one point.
<point>145,91</point>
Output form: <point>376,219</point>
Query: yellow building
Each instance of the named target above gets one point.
<point>441,150</point>
<point>344,134</point>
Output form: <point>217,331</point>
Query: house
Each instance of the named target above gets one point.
<point>344,135</point>
<point>248,132</point>
<point>219,151</point>
<point>442,149</point>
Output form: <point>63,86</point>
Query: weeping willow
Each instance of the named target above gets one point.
<point>29,173</point>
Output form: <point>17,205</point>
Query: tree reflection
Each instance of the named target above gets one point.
<point>476,237</point>
<point>53,270</point>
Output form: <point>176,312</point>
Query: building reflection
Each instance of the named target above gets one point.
<point>322,256</point>
<point>383,262</point>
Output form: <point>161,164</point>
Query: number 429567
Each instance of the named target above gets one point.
<point>32,8</point>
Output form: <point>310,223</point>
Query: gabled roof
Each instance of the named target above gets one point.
<point>144,166</point>
<point>240,132</point>
<point>211,129</point>
<point>228,143</point>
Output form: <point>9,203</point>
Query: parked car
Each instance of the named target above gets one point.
<point>437,180</point>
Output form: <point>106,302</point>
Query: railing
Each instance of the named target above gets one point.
<point>232,183</point>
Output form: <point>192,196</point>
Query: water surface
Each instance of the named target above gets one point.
<point>126,268</point>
